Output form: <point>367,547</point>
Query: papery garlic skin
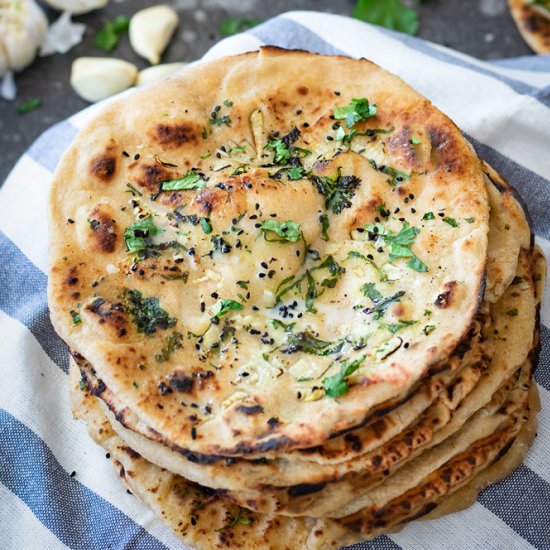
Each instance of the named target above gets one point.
<point>23,28</point>
<point>151,30</point>
<point>63,34</point>
<point>158,72</point>
<point>97,78</point>
<point>76,6</point>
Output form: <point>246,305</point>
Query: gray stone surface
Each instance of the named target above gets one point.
<point>482,28</point>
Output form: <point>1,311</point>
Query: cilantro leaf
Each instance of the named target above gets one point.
<point>358,109</point>
<point>307,343</point>
<point>325,224</point>
<point>451,221</point>
<point>428,216</point>
<point>288,231</point>
<point>395,327</point>
<point>206,225</point>
<point>337,385</point>
<point>191,180</point>
<point>379,270</point>
<point>400,243</point>
<point>338,191</point>
<point>137,236</point>
<point>222,307</point>
<point>146,312</point>
<point>396,177</point>
<point>172,343</point>
<point>232,25</point>
<point>369,290</point>
<point>381,304</point>
<point>109,35</point>
<point>392,14</point>
<point>28,106</point>
<point>282,151</point>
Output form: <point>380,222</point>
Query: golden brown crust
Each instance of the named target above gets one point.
<point>533,24</point>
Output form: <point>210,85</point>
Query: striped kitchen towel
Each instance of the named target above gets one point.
<point>57,489</point>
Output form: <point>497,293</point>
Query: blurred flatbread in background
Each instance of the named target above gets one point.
<point>533,21</point>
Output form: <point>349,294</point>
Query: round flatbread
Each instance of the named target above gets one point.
<point>258,266</point>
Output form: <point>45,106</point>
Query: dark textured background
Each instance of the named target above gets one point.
<point>483,28</point>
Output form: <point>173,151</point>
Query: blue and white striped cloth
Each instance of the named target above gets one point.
<point>58,490</point>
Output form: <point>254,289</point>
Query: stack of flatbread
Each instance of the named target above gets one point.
<point>532,18</point>
<point>302,312</point>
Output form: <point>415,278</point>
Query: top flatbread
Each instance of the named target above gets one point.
<point>220,333</point>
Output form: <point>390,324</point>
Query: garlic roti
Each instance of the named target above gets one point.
<point>256,266</point>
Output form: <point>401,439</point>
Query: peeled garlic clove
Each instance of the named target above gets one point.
<point>96,78</point>
<point>158,72</point>
<point>151,30</point>
<point>76,6</point>
<point>22,31</point>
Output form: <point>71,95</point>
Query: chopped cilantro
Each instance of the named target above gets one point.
<point>76,318</point>
<point>392,14</point>
<point>469,220</point>
<point>282,151</point>
<point>288,231</point>
<point>307,343</point>
<point>28,106</point>
<point>138,236</point>
<point>400,243</point>
<point>396,177</point>
<point>206,225</point>
<point>379,270</point>
<point>216,120</point>
<point>428,329</point>
<point>512,312</point>
<point>428,216</point>
<point>206,155</point>
<point>222,307</point>
<point>395,327</point>
<point>358,109</point>
<point>369,290</point>
<point>191,180</point>
<point>238,518</point>
<point>147,314</point>
<point>451,221</point>
<point>337,385</point>
<point>325,224</point>
<point>233,25</point>
<point>228,103</point>
<point>427,313</point>
<point>133,191</point>
<point>415,140</point>
<point>172,342</point>
<point>287,327</point>
<point>295,173</point>
<point>108,37</point>
<point>243,284</point>
<point>82,384</point>
<point>507,226</point>
<point>381,304</point>
<point>338,191</point>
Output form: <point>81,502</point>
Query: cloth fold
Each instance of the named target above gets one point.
<point>57,488</point>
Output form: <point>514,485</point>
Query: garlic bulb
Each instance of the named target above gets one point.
<point>151,30</point>
<point>22,31</point>
<point>96,78</point>
<point>76,6</point>
<point>158,72</point>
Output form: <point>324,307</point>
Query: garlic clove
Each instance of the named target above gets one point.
<point>76,6</point>
<point>96,78</point>
<point>158,72</point>
<point>151,30</point>
<point>22,31</point>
